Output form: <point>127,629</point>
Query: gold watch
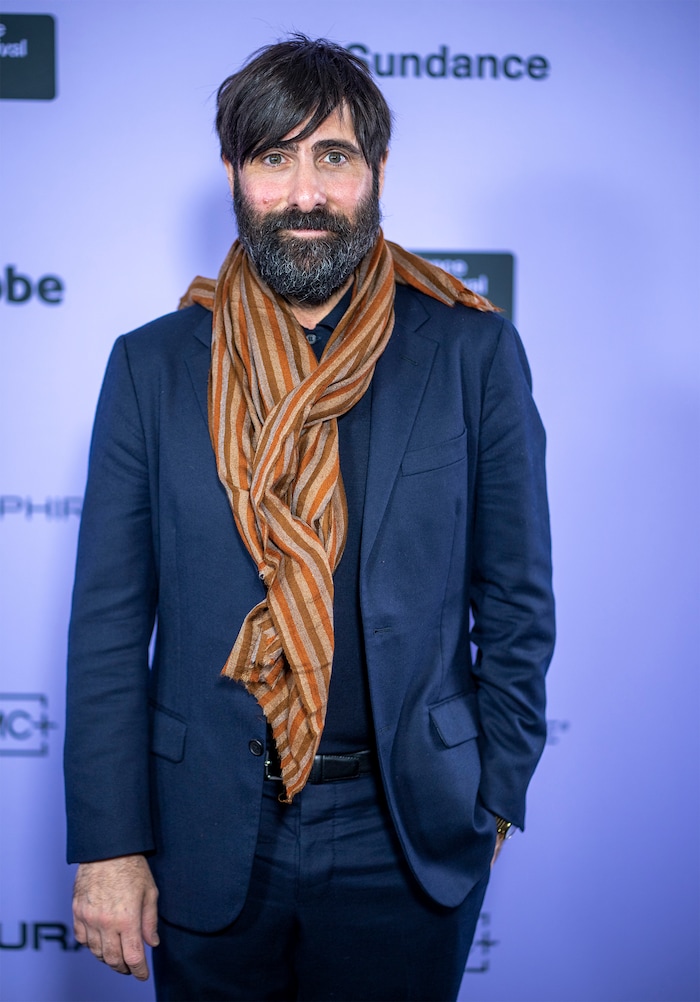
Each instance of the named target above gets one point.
<point>504,829</point>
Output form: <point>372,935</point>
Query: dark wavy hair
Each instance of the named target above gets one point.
<point>283,85</point>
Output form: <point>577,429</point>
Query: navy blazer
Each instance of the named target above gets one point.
<point>455,559</point>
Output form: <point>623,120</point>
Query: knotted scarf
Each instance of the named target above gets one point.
<point>273,411</point>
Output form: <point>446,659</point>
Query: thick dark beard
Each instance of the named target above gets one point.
<point>306,270</point>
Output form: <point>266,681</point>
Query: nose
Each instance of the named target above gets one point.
<point>307,190</point>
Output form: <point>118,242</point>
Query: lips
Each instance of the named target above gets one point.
<point>306,231</point>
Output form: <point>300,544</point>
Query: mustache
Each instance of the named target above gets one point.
<point>317,219</point>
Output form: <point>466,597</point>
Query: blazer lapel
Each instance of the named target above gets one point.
<point>198,361</point>
<point>397,390</point>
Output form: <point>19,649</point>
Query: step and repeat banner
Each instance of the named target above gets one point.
<point>546,152</point>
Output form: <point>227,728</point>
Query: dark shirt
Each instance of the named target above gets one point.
<point>348,720</point>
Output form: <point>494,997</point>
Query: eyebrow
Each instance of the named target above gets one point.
<point>320,146</point>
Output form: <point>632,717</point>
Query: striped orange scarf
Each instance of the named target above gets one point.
<point>273,413</point>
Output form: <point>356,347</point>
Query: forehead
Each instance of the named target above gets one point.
<point>338,125</point>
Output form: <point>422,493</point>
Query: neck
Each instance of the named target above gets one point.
<point>309,316</point>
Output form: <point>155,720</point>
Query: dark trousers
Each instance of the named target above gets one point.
<point>332,912</point>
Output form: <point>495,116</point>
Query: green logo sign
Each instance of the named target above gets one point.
<point>28,57</point>
<point>490,275</point>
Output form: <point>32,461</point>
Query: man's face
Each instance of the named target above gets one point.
<point>308,211</point>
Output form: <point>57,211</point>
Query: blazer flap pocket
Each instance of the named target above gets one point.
<point>455,719</point>
<point>435,457</point>
<point>168,735</point>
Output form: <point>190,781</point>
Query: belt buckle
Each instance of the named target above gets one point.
<point>268,774</point>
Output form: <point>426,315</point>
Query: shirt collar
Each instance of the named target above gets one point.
<point>332,319</point>
<point>318,337</point>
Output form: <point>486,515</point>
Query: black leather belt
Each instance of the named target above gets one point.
<point>326,768</point>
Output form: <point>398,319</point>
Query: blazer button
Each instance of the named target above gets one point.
<point>256,747</point>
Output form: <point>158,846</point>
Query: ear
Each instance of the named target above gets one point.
<point>230,173</point>
<point>380,172</point>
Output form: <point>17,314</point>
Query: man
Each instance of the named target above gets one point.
<point>319,818</point>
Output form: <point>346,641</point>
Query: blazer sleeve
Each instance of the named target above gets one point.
<point>113,611</point>
<point>511,587</point>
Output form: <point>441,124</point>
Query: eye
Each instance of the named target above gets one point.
<point>335,157</point>
<point>273,159</point>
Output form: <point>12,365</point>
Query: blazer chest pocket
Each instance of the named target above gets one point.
<point>435,457</point>
<point>455,719</point>
<point>167,735</point>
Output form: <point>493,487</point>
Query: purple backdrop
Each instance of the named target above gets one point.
<point>584,167</point>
